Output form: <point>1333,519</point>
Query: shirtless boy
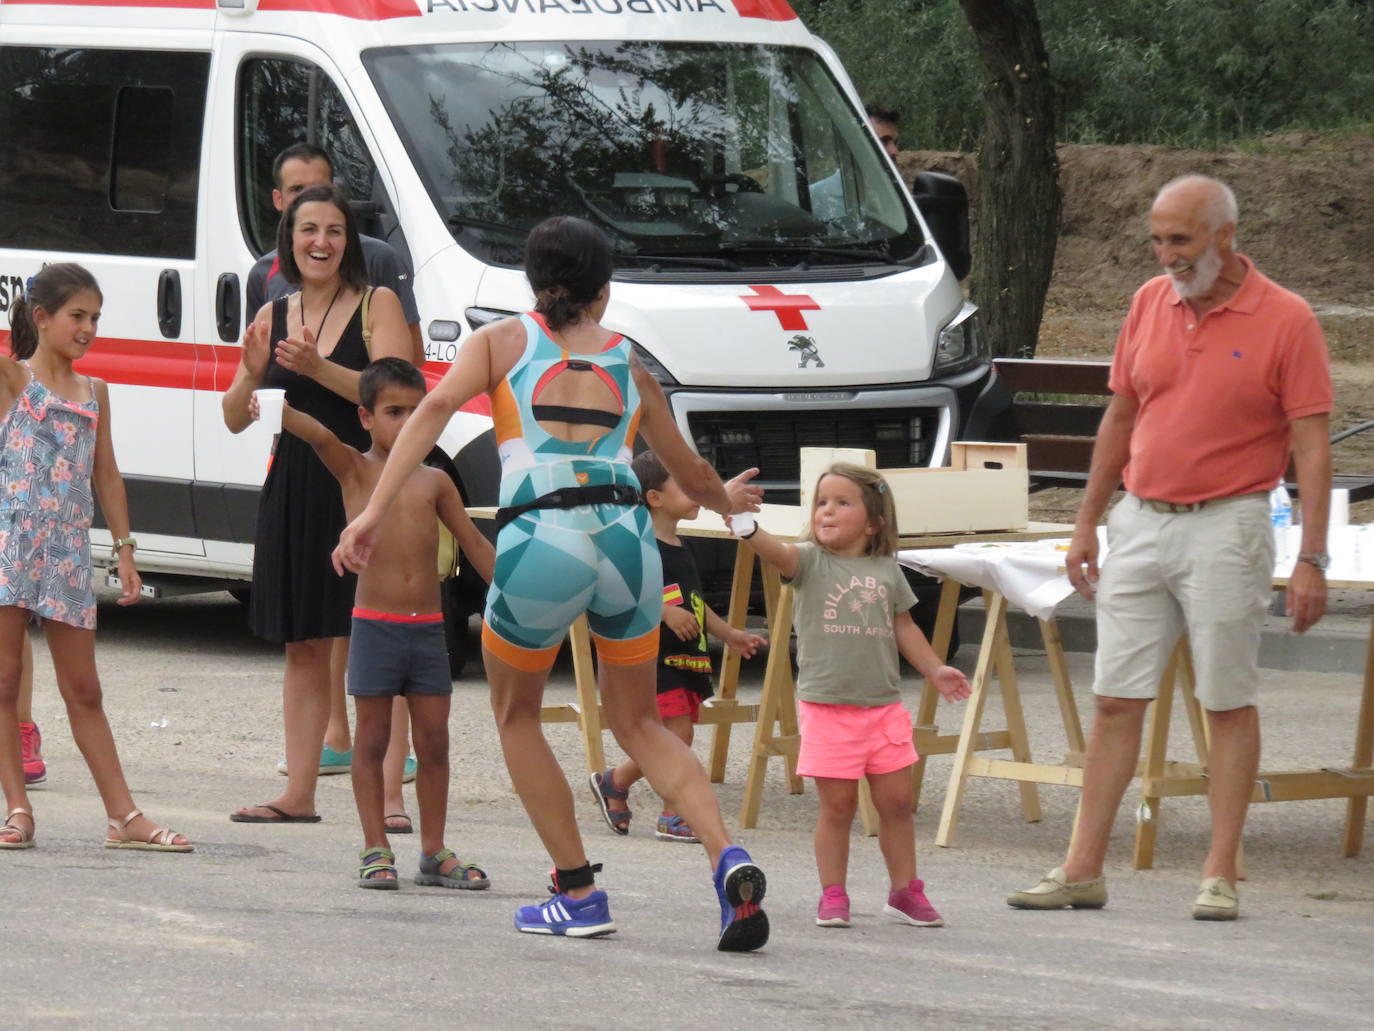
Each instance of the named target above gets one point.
<point>398,625</point>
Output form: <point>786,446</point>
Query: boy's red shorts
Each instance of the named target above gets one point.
<point>679,702</point>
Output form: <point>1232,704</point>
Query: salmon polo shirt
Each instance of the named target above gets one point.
<point>1216,394</point>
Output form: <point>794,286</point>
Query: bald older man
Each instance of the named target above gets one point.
<point>1218,374</point>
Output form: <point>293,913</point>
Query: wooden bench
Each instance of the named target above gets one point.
<point>1058,422</point>
<point>1058,434</point>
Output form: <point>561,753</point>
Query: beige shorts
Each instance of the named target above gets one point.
<point>1208,572</point>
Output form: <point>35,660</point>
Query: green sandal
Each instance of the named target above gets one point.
<point>375,861</point>
<point>429,875</point>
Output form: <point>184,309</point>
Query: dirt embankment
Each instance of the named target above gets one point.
<point>1306,219</point>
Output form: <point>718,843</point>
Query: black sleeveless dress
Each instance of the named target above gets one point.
<point>296,594</point>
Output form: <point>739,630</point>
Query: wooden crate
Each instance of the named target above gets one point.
<point>986,486</point>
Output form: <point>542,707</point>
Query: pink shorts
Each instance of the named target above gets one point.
<point>848,741</point>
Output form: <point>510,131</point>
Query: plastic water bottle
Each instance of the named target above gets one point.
<point>1280,508</point>
<point>1281,517</point>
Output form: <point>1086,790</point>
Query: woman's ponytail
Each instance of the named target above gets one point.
<point>52,287</point>
<point>567,262</point>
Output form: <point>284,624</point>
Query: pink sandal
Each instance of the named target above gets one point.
<point>25,837</point>
<point>162,839</point>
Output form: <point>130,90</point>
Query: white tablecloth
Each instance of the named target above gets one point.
<point>1031,575</point>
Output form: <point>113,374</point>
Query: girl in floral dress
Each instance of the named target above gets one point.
<point>54,447</point>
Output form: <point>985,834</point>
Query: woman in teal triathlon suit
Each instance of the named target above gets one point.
<point>568,398</point>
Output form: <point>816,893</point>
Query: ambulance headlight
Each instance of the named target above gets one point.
<point>479,317</point>
<point>958,345</point>
<point>653,366</point>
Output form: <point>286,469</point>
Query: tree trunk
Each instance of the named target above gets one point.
<point>1018,175</point>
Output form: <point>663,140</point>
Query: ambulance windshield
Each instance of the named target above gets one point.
<point>691,156</point>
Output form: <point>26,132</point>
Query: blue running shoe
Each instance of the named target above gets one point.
<point>740,886</point>
<point>573,918</point>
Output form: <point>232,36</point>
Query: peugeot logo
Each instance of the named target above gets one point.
<point>806,348</point>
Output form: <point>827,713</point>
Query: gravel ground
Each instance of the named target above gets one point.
<point>262,925</point>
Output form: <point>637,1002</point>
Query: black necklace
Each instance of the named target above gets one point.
<point>327,310</point>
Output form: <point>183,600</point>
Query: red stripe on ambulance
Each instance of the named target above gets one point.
<point>771,10</point>
<point>361,10</point>
<point>181,366</point>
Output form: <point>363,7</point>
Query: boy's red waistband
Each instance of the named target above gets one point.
<point>399,617</point>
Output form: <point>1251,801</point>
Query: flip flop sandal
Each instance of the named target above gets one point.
<point>429,875</point>
<point>25,837</point>
<point>280,816</point>
<point>162,839</point>
<point>375,861</point>
<point>603,788</point>
<point>409,828</point>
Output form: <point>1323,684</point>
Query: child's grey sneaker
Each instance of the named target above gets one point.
<point>1216,900</point>
<point>1056,892</point>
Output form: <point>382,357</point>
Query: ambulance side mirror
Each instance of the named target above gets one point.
<point>943,204</point>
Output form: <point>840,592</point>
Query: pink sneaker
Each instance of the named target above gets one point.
<point>910,906</point>
<point>833,910</point>
<point>31,744</point>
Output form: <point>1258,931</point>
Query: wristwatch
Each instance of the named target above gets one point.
<point>132,542</point>
<point>1320,559</point>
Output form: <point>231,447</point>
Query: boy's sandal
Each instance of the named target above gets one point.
<point>398,828</point>
<point>603,788</point>
<point>375,863</point>
<point>162,839</point>
<point>675,828</point>
<point>458,877</point>
<point>25,836</point>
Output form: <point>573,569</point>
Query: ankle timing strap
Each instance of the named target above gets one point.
<point>574,497</point>
<point>583,876</point>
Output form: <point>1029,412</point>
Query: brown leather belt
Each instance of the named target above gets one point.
<point>1176,508</point>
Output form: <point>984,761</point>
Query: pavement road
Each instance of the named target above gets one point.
<point>263,927</point>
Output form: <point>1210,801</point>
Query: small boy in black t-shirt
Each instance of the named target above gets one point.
<point>684,665</point>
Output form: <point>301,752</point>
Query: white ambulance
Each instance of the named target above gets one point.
<point>771,268</point>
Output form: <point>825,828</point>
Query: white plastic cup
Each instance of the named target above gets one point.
<point>271,400</point>
<point>1340,509</point>
<point>742,525</point>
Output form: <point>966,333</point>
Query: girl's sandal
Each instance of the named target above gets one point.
<point>429,875</point>
<point>25,837</point>
<point>376,863</point>
<point>162,839</point>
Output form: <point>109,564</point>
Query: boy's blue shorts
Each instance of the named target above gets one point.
<point>397,655</point>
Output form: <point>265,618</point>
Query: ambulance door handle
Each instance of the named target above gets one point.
<point>169,302</point>
<point>227,307</point>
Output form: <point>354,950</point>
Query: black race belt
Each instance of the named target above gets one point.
<point>574,497</point>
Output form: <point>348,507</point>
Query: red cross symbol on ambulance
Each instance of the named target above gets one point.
<point>787,307</point>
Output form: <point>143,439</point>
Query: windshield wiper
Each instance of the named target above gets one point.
<point>460,221</point>
<point>819,250</point>
<point>691,260</point>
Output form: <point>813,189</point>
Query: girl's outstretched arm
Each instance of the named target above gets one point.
<point>950,682</point>
<point>114,503</point>
<point>469,375</point>
<point>780,555</point>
